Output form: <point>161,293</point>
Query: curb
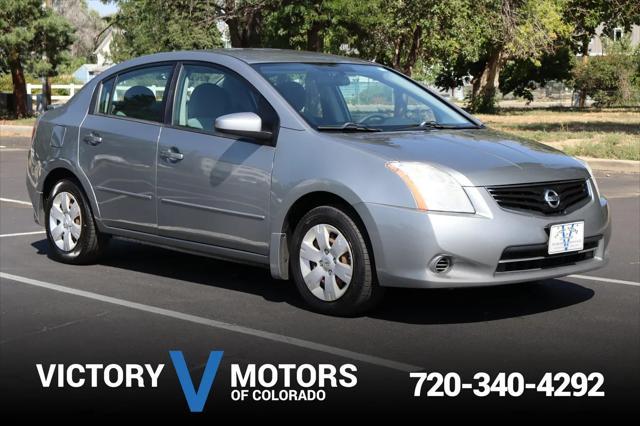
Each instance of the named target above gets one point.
<point>613,166</point>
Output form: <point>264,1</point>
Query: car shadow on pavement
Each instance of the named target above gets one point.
<point>468,305</point>
<point>194,269</point>
<point>412,306</point>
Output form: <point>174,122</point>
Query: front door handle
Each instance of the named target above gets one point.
<point>92,139</point>
<point>172,155</point>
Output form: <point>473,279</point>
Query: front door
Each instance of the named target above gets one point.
<point>214,188</point>
<point>118,144</point>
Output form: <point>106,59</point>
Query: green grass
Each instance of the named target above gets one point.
<point>601,133</point>
<point>611,146</point>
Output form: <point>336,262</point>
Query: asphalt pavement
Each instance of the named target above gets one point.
<point>140,302</point>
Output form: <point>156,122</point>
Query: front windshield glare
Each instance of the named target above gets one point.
<point>332,95</point>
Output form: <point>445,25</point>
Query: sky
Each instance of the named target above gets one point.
<point>101,8</point>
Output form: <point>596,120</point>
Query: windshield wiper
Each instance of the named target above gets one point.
<point>426,125</point>
<point>349,126</point>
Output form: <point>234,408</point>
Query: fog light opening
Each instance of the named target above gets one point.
<point>441,264</point>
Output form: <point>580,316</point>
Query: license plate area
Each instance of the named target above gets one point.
<point>566,237</point>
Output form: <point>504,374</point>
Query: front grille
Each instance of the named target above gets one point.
<point>531,257</point>
<point>531,197</point>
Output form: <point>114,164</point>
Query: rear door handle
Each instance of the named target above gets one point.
<point>172,155</point>
<point>93,139</point>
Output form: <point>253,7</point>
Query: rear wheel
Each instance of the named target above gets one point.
<point>331,264</point>
<point>71,231</point>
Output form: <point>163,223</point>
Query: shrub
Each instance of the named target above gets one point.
<point>612,79</point>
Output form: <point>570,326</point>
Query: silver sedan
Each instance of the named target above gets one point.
<point>342,175</point>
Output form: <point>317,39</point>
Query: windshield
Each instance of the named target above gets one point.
<point>358,97</point>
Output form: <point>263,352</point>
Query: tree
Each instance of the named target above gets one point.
<point>33,38</point>
<point>523,29</point>
<point>508,30</point>
<point>611,79</point>
<point>319,25</point>
<point>150,26</point>
<point>405,33</point>
<point>86,23</point>
<point>244,18</point>
<point>522,76</point>
<point>586,17</point>
<point>316,25</point>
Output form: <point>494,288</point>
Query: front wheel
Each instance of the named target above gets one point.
<point>71,231</point>
<point>331,264</point>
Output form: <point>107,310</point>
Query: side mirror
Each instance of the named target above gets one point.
<point>247,124</point>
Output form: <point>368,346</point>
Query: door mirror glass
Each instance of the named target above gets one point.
<point>247,124</point>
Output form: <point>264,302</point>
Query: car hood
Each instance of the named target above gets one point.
<point>482,156</point>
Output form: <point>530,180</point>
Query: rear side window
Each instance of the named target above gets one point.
<point>139,94</point>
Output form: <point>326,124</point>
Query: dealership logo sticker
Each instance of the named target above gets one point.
<point>196,399</point>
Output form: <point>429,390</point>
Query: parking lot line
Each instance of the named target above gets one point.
<point>9,200</point>
<point>306,344</point>
<point>19,234</point>
<point>605,280</point>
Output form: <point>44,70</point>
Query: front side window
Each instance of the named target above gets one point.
<point>140,94</point>
<point>332,95</point>
<point>205,93</point>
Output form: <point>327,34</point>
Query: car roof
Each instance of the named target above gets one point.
<point>255,56</point>
<point>246,55</point>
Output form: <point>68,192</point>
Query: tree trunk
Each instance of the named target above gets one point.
<point>412,56</point>
<point>582,95</point>
<point>475,88</point>
<point>490,75</point>
<point>244,25</point>
<point>315,41</point>
<point>47,91</point>
<point>47,80</point>
<point>19,87</point>
<point>397,55</point>
<point>487,85</point>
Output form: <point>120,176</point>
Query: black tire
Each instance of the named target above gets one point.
<point>91,243</point>
<point>363,292</point>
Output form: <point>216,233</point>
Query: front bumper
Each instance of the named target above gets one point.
<point>404,242</point>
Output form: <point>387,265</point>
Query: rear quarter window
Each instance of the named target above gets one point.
<point>105,96</point>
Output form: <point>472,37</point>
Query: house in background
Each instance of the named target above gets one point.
<point>596,46</point>
<point>102,53</point>
<point>87,71</point>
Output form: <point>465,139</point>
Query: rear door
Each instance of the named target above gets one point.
<point>118,142</point>
<point>214,188</point>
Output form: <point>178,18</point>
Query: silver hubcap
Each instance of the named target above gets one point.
<point>326,262</point>
<point>65,221</point>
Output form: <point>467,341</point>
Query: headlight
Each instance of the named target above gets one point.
<point>432,189</point>
<point>592,178</point>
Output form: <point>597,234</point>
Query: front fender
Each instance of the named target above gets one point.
<point>280,211</point>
